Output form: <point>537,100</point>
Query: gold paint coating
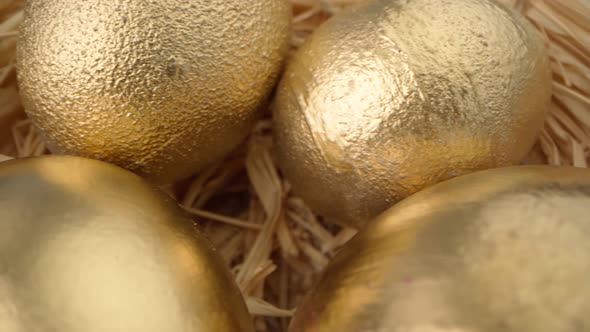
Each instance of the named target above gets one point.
<point>161,88</point>
<point>386,100</point>
<point>504,250</point>
<point>87,246</point>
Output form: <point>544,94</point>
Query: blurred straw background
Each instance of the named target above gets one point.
<point>273,243</point>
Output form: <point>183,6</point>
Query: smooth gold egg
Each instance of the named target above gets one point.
<point>504,250</point>
<point>399,95</point>
<point>161,88</point>
<point>88,247</point>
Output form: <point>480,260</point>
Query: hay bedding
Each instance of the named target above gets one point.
<point>274,244</point>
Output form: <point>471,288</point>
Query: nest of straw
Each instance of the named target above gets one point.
<point>271,240</point>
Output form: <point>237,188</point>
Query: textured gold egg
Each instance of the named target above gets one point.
<point>505,250</point>
<point>386,100</point>
<point>87,246</point>
<point>162,88</point>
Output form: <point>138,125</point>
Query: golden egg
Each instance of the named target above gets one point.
<point>504,250</point>
<point>399,95</point>
<point>161,88</point>
<point>87,246</point>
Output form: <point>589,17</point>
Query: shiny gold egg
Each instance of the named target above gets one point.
<point>399,95</point>
<point>504,250</point>
<point>161,88</point>
<point>88,247</point>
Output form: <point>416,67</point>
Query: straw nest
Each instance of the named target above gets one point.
<point>273,243</point>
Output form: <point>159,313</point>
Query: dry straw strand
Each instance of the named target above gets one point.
<point>274,244</point>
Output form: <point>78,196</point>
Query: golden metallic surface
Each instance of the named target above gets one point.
<point>87,246</point>
<point>399,95</point>
<point>504,250</point>
<point>159,87</point>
